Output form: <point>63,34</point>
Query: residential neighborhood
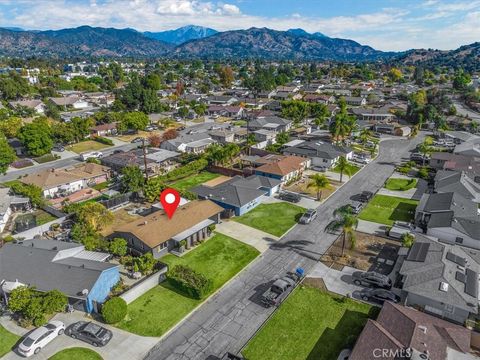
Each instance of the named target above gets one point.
<point>236,194</point>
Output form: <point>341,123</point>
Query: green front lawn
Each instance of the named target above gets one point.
<point>7,341</point>
<point>194,180</point>
<point>219,259</point>
<point>87,146</point>
<point>352,167</point>
<point>387,209</point>
<point>274,218</point>
<point>77,353</point>
<point>43,217</point>
<point>397,184</point>
<point>311,324</point>
<point>46,158</point>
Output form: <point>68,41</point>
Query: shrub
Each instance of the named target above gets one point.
<point>408,240</point>
<point>423,173</point>
<point>19,164</point>
<point>187,170</point>
<point>118,247</point>
<point>103,140</point>
<point>114,310</point>
<point>189,282</point>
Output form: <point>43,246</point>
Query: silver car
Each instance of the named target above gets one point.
<point>308,216</point>
<point>40,337</point>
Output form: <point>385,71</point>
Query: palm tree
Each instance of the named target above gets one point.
<point>425,148</point>
<point>319,182</point>
<point>344,167</point>
<point>365,134</point>
<point>348,222</point>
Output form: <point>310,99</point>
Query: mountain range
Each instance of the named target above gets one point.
<point>200,42</point>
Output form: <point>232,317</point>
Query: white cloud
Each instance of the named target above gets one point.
<point>385,29</point>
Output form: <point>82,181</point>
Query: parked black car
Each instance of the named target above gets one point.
<point>379,295</point>
<point>89,332</point>
<point>291,197</point>
<point>365,196</point>
<point>372,278</point>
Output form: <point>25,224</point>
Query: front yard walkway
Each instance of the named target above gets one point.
<point>258,239</point>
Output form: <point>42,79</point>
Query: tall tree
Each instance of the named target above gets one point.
<point>7,155</point>
<point>37,137</point>
<point>132,179</point>
<point>343,166</point>
<point>319,182</point>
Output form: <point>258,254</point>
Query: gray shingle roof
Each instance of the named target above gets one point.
<point>424,277</point>
<point>46,267</point>
<point>318,149</point>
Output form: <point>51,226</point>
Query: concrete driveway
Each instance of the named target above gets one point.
<point>339,282</point>
<point>258,239</point>
<point>123,345</point>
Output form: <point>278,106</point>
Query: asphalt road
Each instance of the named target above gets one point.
<point>231,317</point>
<point>58,164</point>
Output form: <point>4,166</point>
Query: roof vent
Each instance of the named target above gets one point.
<point>423,328</point>
<point>443,286</point>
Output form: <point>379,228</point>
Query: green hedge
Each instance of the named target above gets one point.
<point>187,170</point>
<point>188,281</point>
<point>103,140</point>
<point>114,310</point>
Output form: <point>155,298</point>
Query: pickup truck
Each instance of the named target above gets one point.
<point>281,288</point>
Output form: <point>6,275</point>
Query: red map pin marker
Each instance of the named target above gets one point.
<point>170,198</point>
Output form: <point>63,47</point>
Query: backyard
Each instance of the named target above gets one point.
<point>274,218</point>
<point>194,180</point>
<point>7,341</point>
<point>311,324</point>
<point>388,209</point>
<point>219,259</point>
<point>85,146</point>
<point>398,184</point>
<point>77,353</point>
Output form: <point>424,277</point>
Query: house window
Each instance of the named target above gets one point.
<point>449,308</point>
<point>459,240</point>
<point>163,245</point>
<point>325,160</point>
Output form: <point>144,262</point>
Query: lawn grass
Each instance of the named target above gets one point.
<point>7,341</point>
<point>43,217</point>
<point>86,146</point>
<point>77,353</point>
<point>194,180</point>
<point>387,209</point>
<point>274,218</point>
<point>46,158</point>
<point>352,167</point>
<point>219,259</point>
<point>311,324</point>
<point>397,184</point>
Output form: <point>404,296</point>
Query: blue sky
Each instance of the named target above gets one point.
<point>385,25</point>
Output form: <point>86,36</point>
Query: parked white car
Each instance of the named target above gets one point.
<point>91,155</point>
<point>40,337</point>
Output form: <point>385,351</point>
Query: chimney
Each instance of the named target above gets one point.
<point>423,328</point>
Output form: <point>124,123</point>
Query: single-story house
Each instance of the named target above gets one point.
<point>239,195</point>
<point>356,100</point>
<point>401,332</point>
<point>73,102</point>
<point>458,182</point>
<point>440,279</point>
<point>36,105</point>
<point>321,153</point>
<point>231,111</point>
<point>104,129</point>
<point>221,100</point>
<point>83,276</point>
<point>468,148</point>
<point>448,161</point>
<point>284,169</point>
<point>373,114</point>
<point>157,234</point>
<point>190,143</point>
<point>265,136</point>
<point>271,123</point>
<point>449,217</point>
<point>8,204</point>
<point>63,182</point>
<point>223,136</point>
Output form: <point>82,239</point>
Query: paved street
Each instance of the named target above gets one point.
<point>61,163</point>
<point>228,320</point>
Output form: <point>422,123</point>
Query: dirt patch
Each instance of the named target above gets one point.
<point>316,283</point>
<point>371,253</point>
<point>219,180</point>
<point>301,187</point>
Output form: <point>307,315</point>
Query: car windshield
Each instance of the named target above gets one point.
<point>50,326</point>
<point>92,328</point>
<point>28,342</point>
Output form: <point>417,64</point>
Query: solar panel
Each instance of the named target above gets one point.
<point>471,286</point>
<point>456,259</point>
<point>460,276</point>
<point>418,252</point>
